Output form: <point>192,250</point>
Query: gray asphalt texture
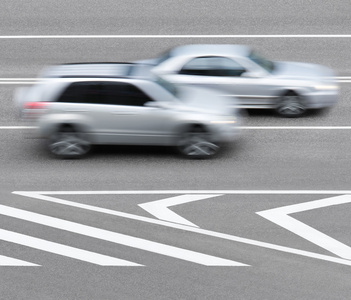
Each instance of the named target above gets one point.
<point>261,160</point>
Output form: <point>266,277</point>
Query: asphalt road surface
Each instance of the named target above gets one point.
<point>269,218</point>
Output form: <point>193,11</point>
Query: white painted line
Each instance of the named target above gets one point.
<point>60,249</point>
<point>42,196</point>
<point>16,127</point>
<point>63,79</point>
<point>9,261</point>
<point>160,209</point>
<point>280,216</point>
<point>176,36</point>
<point>18,82</point>
<point>296,127</point>
<point>242,127</point>
<point>14,80</point>
<point>117,238</point>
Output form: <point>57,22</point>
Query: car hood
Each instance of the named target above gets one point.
<point>296,70</point>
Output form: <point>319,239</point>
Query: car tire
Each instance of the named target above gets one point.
<point>67,142</point>
<point>196,143</point>
<point>291,105</point>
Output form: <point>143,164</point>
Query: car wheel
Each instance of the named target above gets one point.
<point>291,105</point>
<point>68,143</point>
<point>196,143</point>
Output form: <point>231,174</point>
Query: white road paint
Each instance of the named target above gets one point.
<point>117,238</point>
<point>174,36</point>
<point>280,216</point>
<point>296,127</point>
<point>19,127</point>
<point>160,209</point>
<point>13,262</point>
<point>83,255</point>
<point>16,127</point>
<point>43,196</point>
<point>23,81</point>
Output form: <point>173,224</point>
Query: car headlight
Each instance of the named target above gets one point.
<point>325,87</point>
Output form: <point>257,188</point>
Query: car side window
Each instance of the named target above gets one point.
<point>115,93</point>
<point>212,66</point>
<point>120,93</point>
<point>82,92</point>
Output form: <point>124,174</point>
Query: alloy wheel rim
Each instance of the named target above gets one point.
<point>69,144</point>
<point>291,105</point>
<point>195,144</point>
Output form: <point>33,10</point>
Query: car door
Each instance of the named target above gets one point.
<point>130,120</point>
<point>81,104</point>
<point>230,77</point>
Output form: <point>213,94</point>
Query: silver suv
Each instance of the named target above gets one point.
<point>75,113</point>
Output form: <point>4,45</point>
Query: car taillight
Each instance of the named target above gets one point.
<point>35,105</point>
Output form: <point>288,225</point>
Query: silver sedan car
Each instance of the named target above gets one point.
<point>238,71</point>
<point>75,113</point>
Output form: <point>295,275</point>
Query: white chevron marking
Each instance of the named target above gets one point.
<point>160,209</point>
<point>280,216</point>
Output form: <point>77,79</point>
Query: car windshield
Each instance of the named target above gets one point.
<point>163,57</point>
<point>262,62</point>
<point>167,86</point>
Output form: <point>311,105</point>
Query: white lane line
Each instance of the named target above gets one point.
<point>9,261</point>
<point>40,244</point>
<point>280,216</point>
<point>50,79</point>
<point>242,127</point>
<point>296,127</point>
<point>160,209</point>
<point>16,127</point>
<point>174,36</point>
<point>43,196</point>
<point>20,81</point>
<point>117,238</point>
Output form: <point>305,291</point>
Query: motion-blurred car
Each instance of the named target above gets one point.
<point>288,87</point>
<point>75,113</point>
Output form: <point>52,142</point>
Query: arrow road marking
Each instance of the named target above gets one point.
<point>117,238</point>
<point>9,261</point>
<point>42,195</point>
<point>160,209</point>
<point>60,249</point>
<point>280,216</point>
